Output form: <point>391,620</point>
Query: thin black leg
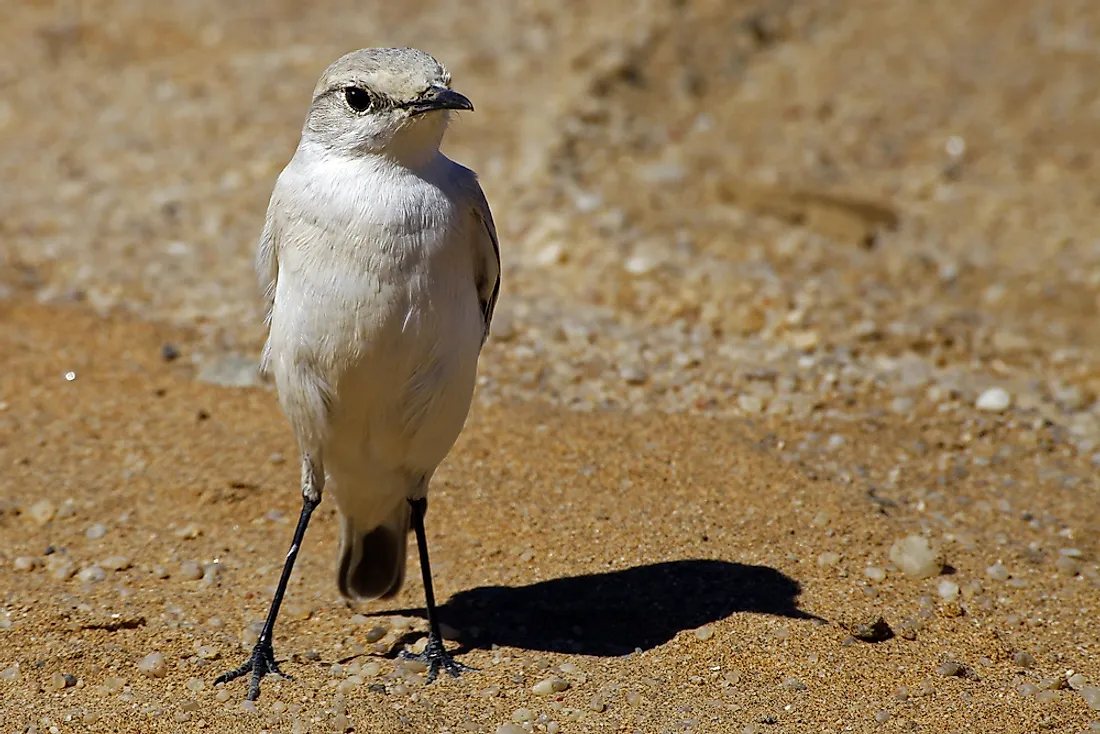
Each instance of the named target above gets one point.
<point>435,656</point>
<point>262,660</point>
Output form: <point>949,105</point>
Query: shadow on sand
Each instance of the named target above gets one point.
<point>614,613</point>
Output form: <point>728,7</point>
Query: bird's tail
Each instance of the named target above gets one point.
<point>372,560</point>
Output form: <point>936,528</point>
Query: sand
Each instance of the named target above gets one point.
<point>789,287</point>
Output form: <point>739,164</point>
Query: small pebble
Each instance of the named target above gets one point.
<point>341,722</point>
<point>374,634</point>
<point>59,681</point>
<point>948,590</point>
<point>597,704</point>
<point>873,629</point>
<point>704,633</point>
<point>153,666</point>
<point>828,558</point>
<point>41,512</point>
<point>1091,694</point>
<point>882,717</point>
<point>915,557</point>
<point>948,669</point>
<point>510,729</point>
<point>522,715</point>
<point>10,673</point>
<point>1067,566</point>
<point>994,400</point>
<point>1023,660</point>
<point>96,531</point>
<point>1027,689</point>
<point>549,686</point>
<point>195,684</point>
<point>190,571</point>
<point>997,572</point>
<point>793,684</point>
<point>1076,681</point>
<point>24,563</point>
<point>115,563</point>
<point>91,575</point>
<point>874,573</point>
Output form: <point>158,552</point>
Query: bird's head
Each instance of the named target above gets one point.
<point>389,101</point>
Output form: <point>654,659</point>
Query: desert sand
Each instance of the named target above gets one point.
<point>788,422</point>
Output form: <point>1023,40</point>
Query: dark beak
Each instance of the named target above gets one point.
<point>441,98</point>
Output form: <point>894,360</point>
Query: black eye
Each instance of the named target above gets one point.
<point>357,99</point>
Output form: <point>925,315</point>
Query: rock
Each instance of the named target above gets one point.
<point>994,400</point>
<point>872,629</point>
<point>550,686</point>
<point>153,666</point>
<point>916,558</point>
<point>41,512</point>
<point>91,575</point>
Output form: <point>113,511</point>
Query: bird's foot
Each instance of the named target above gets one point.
<point>260,663</point>
<point>436,657</point>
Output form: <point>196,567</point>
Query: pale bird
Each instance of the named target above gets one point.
<point>380,266</point>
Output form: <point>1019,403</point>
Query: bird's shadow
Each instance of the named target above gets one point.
<point>617,612</point>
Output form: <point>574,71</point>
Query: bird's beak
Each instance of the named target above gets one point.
<point>441,98</point>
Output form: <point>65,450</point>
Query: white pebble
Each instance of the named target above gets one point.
<point>949,590</point>
<point>874,573</point>
<point>1091,694</point>
<point>997,572</point>
<point>91,575</point>
<point>550,685</point>
<point>24,563</point>
<point>41,512</point>
<point>828,558</point>
<point>994,400</point>
<point>510,729</point>
<point>95,532</point>
<point>153,666</point>
<point>190,571</point>
<point>915,557</point>
<point>115,563</point>
<point>703,633</point>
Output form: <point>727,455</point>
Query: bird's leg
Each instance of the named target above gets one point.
<point>435,656</point>
<point>262,660</point>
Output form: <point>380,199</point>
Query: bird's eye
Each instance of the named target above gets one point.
<point>358,99</point>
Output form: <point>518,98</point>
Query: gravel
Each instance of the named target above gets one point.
<point>998,572</point>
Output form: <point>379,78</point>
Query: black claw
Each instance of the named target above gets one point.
<point>260,663</point>
<point>435,656</point>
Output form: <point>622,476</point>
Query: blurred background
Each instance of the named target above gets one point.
<point>690,193</point>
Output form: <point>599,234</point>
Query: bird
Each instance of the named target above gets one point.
<point>379,265</point>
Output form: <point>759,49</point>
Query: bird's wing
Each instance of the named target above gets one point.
<point>267,267</point>
<point>486,253</point>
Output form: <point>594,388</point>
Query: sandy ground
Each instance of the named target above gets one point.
<point>785,284</point>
